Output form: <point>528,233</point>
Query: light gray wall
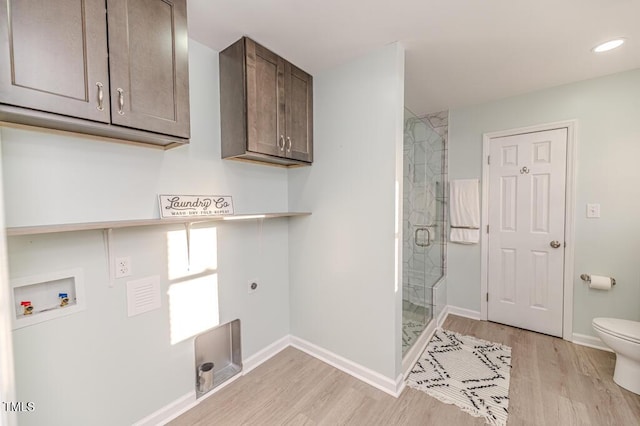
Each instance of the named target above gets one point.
<point>7,388</point>
<point>608,141</point>
<point>342,264</point>
<point>99,366</point>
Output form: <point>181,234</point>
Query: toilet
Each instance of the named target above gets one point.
<point>623,337</point>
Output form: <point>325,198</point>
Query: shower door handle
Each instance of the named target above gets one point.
<point>417,240</point>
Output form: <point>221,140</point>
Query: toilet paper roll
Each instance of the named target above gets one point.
<point>600,283</point>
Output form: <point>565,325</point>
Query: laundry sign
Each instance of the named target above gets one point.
<point>194,205</point>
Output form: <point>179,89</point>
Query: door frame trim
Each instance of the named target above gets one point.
<point>7,371</point>
<point>570,209</point>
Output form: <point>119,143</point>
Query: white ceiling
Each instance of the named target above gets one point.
<point>458,52</point>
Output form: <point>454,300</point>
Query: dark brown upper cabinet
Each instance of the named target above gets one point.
<point>149,65</point>
<point>54,57</point>
<point>266,106</point>
<point>116,69</point>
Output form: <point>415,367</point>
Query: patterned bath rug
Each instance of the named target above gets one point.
<point>471,373</point>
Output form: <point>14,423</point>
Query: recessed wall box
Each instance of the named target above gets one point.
<point>220,346</point>
<point>43,292</point>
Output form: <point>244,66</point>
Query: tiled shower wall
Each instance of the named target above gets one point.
<point>424,201</point>
<point>439,122</point>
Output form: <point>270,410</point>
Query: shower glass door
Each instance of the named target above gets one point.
<point>423,222</point>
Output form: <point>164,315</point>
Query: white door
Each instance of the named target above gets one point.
<point>527,179</point>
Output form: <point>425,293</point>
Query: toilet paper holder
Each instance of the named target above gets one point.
<point>587,278</point>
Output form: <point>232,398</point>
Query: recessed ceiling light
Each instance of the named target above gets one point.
<point>611,44</point>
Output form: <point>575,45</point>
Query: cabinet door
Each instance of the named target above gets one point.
<point>53,57</point>
<point>148,62</point>
<point>265,100</point>
<point>299,113</point>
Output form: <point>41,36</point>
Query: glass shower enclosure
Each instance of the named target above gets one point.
<point>423,222</point>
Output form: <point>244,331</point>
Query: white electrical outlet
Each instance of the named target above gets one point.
<point>123,267</point>
<point>593,211</point>
<point>252,286</point>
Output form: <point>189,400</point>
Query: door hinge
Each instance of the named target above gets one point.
<point>487,229</point>
<point>487,297</point>
<point>488,159</point>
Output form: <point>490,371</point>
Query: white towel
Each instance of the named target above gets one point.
<point>464,210</point>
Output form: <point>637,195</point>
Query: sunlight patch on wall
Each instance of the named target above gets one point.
<point>193,294</point>
<point>201,256</point>
<point>193,307</point>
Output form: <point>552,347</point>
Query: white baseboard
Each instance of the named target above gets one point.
<point>180,406</point>
<point>265,354</point>
<point>373,378</point>
<point>463,312</point>
<point>411,357</point>
<point>577,338</point>
<point>590,341</point>
<point>170,411</point>
<point>358,371</point>
<point>400,385</point>
<point>393,387</point>
<point>186,402</point>
<point>443,316</point>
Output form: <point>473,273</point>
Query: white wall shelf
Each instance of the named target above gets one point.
<point>108,227</point>
<point>70,227</point>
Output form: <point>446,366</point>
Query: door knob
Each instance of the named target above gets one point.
<point>555,244</point>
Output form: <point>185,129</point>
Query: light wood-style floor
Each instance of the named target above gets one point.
<point>553,382</point>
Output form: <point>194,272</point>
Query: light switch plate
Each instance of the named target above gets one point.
<point>593,211</point>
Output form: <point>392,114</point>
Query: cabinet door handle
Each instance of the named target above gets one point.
<point>120,101</point>
<point>100,106</point>
<point>288,143</point>
<point>281,143</point>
